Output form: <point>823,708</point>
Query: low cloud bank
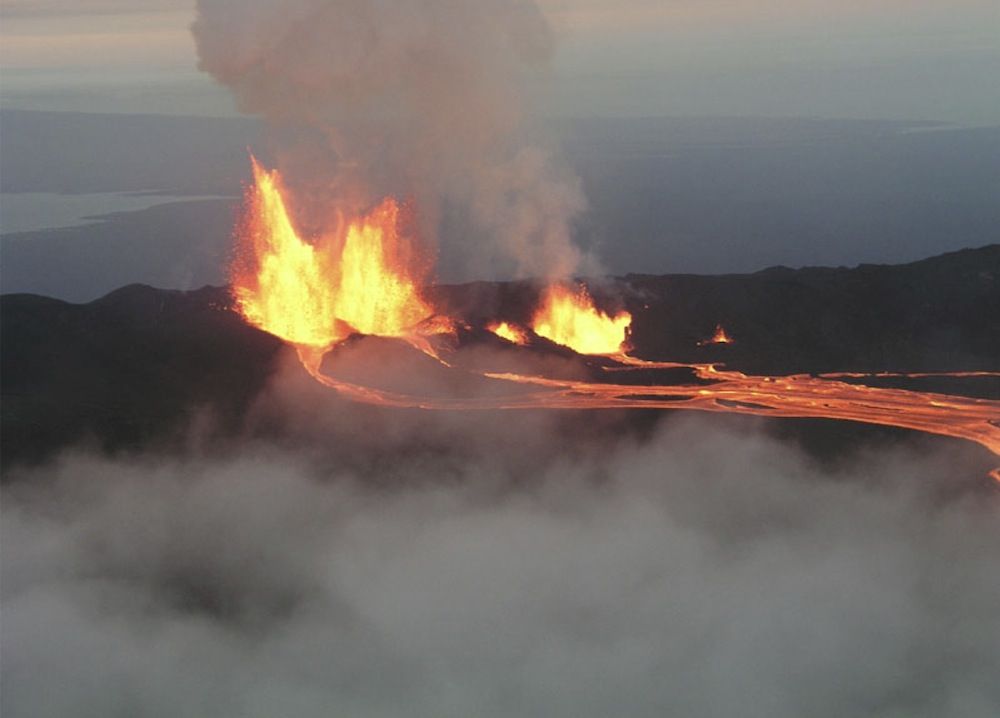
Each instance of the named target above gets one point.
<point>699,571</point>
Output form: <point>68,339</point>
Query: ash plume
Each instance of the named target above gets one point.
<point>424,99</point>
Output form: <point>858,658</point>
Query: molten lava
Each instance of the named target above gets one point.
<point>720,337</point>
<point>796,396</point>
<point>315,294</point>
<point>570,318</point>
<point>364,278</point>
<point>511,332</point>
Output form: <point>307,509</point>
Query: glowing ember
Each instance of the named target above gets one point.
<point>510,332</point>
<point>315,294</point>
<point>720,337</point>
<point>570,318</point>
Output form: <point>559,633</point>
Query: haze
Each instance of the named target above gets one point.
<point>886,59</point>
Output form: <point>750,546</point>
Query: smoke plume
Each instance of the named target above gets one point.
<point>424,99</point>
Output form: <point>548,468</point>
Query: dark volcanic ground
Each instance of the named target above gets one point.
<point>133,369</point>
<point>939,314</point>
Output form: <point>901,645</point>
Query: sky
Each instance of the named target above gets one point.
<point>874,59</point>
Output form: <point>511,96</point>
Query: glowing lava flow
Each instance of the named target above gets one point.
<point>570,318</point>
<point>798,396</point>
<point>315,294</point>
<point>362,278</point>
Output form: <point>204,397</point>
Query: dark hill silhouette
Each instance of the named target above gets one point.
<point>131,369</point>
<point>937,314</point>
<point>125,370</point>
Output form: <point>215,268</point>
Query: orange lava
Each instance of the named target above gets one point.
<point>364,278</point>
<point>569,317</point>
<point>511,332</point>
<point>359,278</point>
<point>797,396</point>
<point>720,337</point>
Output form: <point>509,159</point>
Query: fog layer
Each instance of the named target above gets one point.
<point>699,571</point>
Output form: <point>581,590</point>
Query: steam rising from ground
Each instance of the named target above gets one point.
<point>484,565</point>
<point>421,99</point>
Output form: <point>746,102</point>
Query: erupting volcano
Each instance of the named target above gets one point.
<point>365,278</point>
<point>360,278</point>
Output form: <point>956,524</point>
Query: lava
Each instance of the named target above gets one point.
<point>796,396</point>
<point>364,278</point>
<point>511,332</point>
<point>361,278</point>
<point>719,337</point>
<point>569,317</point>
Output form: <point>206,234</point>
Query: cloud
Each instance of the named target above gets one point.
<point>430,571</point>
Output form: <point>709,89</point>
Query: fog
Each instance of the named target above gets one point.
<point>407,563</point>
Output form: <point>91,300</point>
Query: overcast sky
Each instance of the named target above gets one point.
<point>902,59</point>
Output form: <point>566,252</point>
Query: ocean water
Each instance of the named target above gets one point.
<point>32,211</point>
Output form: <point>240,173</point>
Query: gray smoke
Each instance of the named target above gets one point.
<point>423,98</point>
<point>455,566</point>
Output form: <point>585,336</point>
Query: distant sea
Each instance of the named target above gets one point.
<point>32,211</point>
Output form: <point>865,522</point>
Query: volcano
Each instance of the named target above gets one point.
<point>131,370</point>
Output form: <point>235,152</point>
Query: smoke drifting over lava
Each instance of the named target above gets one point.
<point>421,99</point>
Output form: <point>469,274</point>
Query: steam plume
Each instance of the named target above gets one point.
<point>424,98</point>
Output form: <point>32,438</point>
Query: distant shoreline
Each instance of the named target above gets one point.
<point>28,212</point>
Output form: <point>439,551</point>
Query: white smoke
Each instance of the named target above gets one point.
<point>469,566</point>
<point>423,99</point>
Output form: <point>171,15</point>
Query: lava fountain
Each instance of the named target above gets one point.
<point>569,317</point>
<point>359,278</point>
<point>719,337</point>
